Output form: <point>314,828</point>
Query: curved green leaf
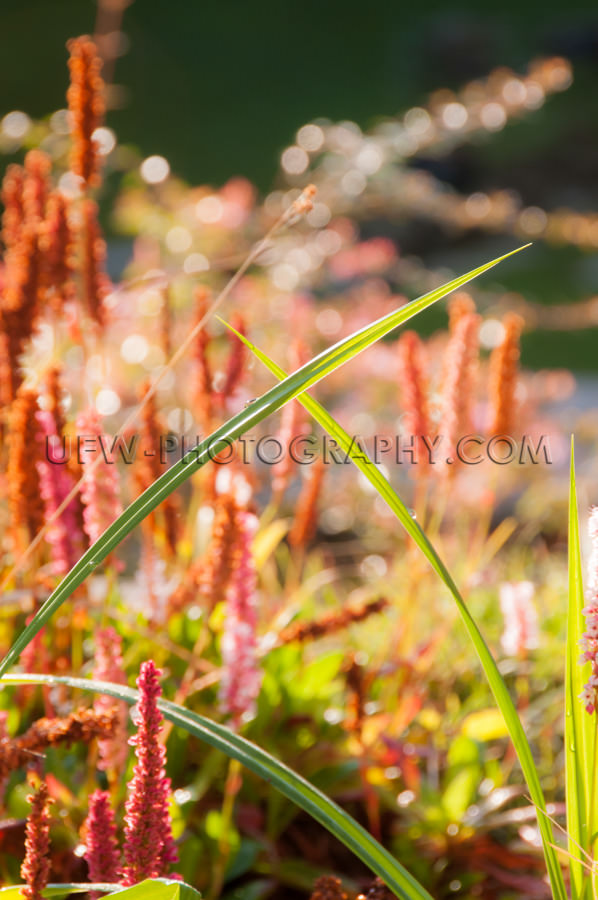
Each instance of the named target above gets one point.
<point>320,366</point>
<point>293,786</point>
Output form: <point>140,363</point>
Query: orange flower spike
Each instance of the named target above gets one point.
<point>203,393</point>
<point>460,305</point>
<point>56,244</point>
<point>35,870</point>
<point>504,368</point>
<point>413,389</point>
<point>87,107</point>
<point>36,185</point>
<point>12,201</point>
<point>459,381</point>
<point>306,517</point>
<point>236,358</point>
<point>96,284</point>
<point>24,497</point>
<point>218,570</point>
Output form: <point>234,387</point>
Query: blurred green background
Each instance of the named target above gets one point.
<point>220,88</point>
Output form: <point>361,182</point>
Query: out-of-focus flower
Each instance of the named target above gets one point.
<point>458,383</point>
<point>520,616</point>
<point>589,640</point>
<point>241,679</point>
<point>35,870</point>
<point>12,201</point>
<point>306,511</point>
<point>86,105</point>
<point>149,848</point>
<point>109,667</point>
<point>503,377</point>
<point>56,243</point>
<point>36,185</point>
<point>96,284</point>
<point>25,502</point>
<point>101,845</point>
<point>55,484</point>
<point>414,392</point>
<point>100,490</point>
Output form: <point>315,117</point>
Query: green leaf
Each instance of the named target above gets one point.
<point>463,777</point>
<point>580,727</point>
<point>293,786</point>
<point>160,889</point>
<point>495,680</point>
<point>320,366</point>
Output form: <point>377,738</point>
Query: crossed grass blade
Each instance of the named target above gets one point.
<point>320,366</point>
<point>495,680</point>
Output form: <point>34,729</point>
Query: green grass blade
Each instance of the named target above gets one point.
<point>293,786</point>
<point>495,680</point>
<point>13,891</point>
<point>320,366</point>
<point>151,889</point>
<point>580,728</point>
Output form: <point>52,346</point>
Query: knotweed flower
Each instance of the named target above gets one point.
<point>86,105</point>
<point>328,887</point>
<point>503,377</point>
<point>203,393</point>
<point>520,617</point>
<point>331,622</point>
<point>413,389</point>
<point>306,518</point>
<point>151,590</point>
<point>241,678</point>
<point>55,484</point>
<point>101,845</point>
<point>36,865</point>
<point>19,307</point>
<point>236,358</point>
<point>293,423</point>
<point>459,381</point>
<point>149,468</point>
<point>589,640</point>
<point>12,201</point>
<point>36,185</point>
<point>56,243</point>
<point>217,571</point>
<point>26,505</point>
<point>109,667</point>
<point>96,284</point>
<point>100,490</point>
<point>149,847</point>
<point>461,304</point>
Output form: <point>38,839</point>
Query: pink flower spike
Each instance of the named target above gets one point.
<point>241,680</point>
<point>100,490</point>
<point>101,852</point>
<point>520,617</point>
<point>35,870</point>
<point>55,482</point>
<point>149,846</point>
<point>109,667</point>
<point>589,640</point>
